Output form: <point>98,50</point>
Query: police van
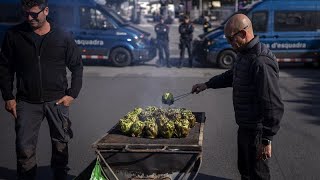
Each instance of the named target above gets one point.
<point>99,31</point>
<point>290,28</point>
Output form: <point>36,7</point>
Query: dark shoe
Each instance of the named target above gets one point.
<point>168,65</point>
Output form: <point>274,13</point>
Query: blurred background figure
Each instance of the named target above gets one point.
<point>162,31</point>
<point>206,25</point>
<point>186,35</point>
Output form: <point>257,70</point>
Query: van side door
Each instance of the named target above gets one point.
<point>96,34</point>
<point>301,31</point>
<point>262,23</point>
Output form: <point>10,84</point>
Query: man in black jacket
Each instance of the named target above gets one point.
<point>162,31</point>
<point>186,35</point>
<point>256,97</point>
<point>37,53</point>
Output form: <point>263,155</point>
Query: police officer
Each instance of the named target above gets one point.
<point>162,31</point>
<point>185,30</point>
<point>206,25</point>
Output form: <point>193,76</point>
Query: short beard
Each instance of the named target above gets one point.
<point>40,24</point>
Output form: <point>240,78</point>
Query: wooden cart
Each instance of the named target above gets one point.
<point>133,158</point>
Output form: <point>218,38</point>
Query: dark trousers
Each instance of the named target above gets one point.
<point>249,166</point>
<point>163,48</point>
<point>27,126</point>
<point>185,43</point>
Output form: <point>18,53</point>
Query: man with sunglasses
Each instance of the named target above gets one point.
<point>256,97</point>
<point>37,53</point>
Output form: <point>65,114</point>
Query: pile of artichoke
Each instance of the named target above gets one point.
<point>153,122</point>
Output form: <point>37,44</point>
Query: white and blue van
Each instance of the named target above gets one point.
<point>290,28</point>
<point>99,31</point>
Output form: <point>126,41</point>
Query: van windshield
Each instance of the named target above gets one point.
<point>245,10</point>
<point>119,19</point>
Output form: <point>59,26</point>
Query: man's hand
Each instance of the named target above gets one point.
<point>11,107</point>
<point>66,101</point>
<point>264,152</point>
<point>197,88</point>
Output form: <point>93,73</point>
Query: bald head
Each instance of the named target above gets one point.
<point>239,25</point>
<point>238,22</point>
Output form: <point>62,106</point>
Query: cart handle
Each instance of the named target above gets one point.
<point>150,149</point>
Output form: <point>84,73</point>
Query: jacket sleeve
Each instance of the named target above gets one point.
<point>7,69</point>
<point>74,63</point>
<point>221,81</point>
<point>191,28</point>
<point>156,28</point>
<point>181,29</point>
<point>266,79</point>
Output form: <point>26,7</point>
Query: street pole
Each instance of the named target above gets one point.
<point>186,6</point>
<point>200,7</point>
<point>236,5</point>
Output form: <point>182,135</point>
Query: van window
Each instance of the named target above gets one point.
<point>11,13</point>
<point>260,21</point>
<point>296,21</point>
<point>62,15</point>
<point>91,18</point>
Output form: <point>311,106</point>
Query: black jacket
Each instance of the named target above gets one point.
<point>162,31</point>
<point>256,93</point>
<point>40,76</point>
<point>186,30</point>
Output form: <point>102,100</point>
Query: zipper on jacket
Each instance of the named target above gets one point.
<point>40,72</point>
<point>39,64</point>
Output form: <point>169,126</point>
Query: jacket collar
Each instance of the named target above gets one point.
<point>246,48</point>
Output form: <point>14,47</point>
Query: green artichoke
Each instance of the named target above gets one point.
<point>167,98</point>
<point>167,129</point>
<point>187,114</point>
<point>151,109</point>
<point>136,129</point>
<point>137,110</point>
<point>151,129</point>
<point>192,120</point>
<point>161,120</point>
<point>144,115</point>
<point>181,128</point>
<point>125,125</point>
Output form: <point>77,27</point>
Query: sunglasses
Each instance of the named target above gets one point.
<point>33,14</point>
<point>231,38</point>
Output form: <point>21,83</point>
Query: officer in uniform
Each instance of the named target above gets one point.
<point>186,29</point>
<point>162,31</point>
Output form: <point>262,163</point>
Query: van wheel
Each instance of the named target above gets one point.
<point>226,59</point>
<point>120,57</point>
